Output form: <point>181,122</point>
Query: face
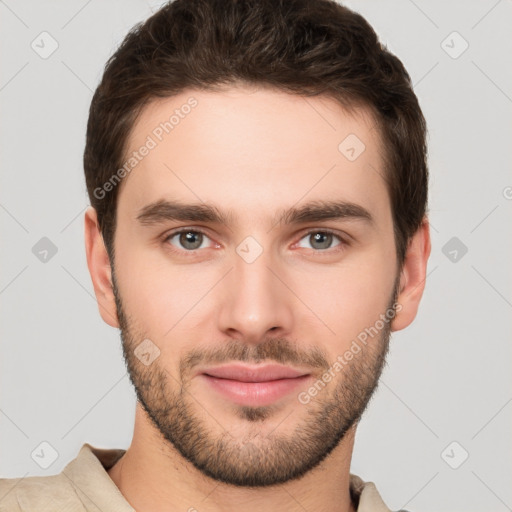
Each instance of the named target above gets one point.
<point>256,324</point>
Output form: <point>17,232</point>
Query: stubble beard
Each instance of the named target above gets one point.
<point>254,459</point>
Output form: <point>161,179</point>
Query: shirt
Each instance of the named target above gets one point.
<point>85,486</point>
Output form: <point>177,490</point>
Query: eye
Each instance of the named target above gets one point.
<point>321,240</point>
<point>188,239</point>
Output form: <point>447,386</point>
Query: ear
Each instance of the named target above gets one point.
<point>412,277</point>
<point>98,263</point>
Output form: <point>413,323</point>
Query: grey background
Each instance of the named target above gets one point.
<point>62,376</point>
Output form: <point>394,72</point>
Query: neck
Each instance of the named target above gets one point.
<point>154,477</point>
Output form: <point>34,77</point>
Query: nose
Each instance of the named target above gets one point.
<point>256,301</point>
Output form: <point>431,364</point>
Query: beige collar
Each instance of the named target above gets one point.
<point>89,473</point>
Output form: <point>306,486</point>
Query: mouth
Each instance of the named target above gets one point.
<point>257,385</point>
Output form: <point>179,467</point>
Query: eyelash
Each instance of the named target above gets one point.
<point>319,252</point>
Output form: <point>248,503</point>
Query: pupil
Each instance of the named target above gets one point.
<point>326,236</point>
<point>188,238</point>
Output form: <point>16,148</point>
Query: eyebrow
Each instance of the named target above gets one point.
<point>313,211</point>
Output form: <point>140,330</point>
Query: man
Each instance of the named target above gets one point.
<point>258,184</point>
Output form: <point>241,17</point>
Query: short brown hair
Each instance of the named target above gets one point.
<point>304,47</point>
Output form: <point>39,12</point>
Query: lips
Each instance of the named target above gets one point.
<point>255,373</point>
<point>257,385</point>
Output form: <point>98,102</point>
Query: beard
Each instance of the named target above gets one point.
<point>253,459</point>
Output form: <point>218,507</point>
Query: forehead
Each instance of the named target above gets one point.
<point>253,150</point>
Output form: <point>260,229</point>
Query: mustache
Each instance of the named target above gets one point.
<point>278,350</point>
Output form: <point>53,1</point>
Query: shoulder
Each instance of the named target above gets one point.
<point>84,484</point>
<point>366,497</point>
<point>38,493</point>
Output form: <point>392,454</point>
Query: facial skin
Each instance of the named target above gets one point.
<point>253,153</point>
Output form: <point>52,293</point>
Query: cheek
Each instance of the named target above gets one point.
<point>348,298</point>
<point>158,294</point>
